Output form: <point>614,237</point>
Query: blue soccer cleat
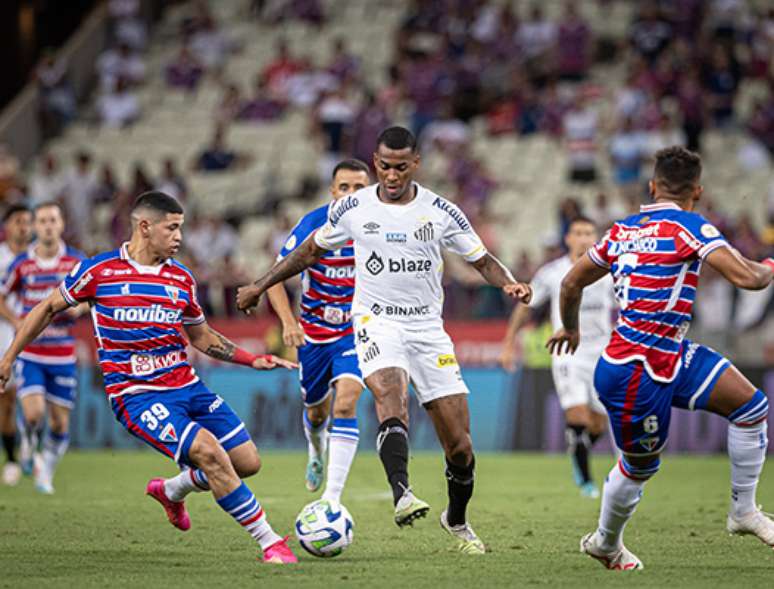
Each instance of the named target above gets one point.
<point>314,474</point>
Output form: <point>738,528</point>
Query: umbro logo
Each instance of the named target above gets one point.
<point>374,264</point>
<point>371,228</point>
<point>425,232</point>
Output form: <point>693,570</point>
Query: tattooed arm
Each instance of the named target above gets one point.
<point>295,262</point>
<point>216,345</point>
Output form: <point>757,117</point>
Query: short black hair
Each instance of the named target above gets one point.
<point>397,138</point>
<point>580,219</point>
<point>158,201</point>
<point>353,165</point>
<point>13,209</point>
<point>677,170</point>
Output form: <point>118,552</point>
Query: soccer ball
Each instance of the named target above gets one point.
<point>324,528</point>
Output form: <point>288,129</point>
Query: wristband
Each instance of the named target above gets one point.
<point>244,357</point>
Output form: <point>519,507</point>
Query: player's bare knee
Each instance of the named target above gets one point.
<point>249,466</point>
<point>345,406</point>
<point>317,414</point>
<point>208,454</point>
<point>459,451</point>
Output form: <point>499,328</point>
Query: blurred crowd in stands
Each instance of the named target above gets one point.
<point>453,62</point>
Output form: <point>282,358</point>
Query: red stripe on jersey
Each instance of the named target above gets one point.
<point>651,306</point>
<point>337,261</point>
<point>652,327</point>
<point>327,298</point>
<point>178,378</point>
<point>654,282</point>
<point>142,345</point>
<point>320,332</point>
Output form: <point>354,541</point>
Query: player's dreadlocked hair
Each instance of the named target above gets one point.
<point>397,138</point>
<point>677,170</point>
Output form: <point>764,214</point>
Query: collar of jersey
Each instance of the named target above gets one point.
<point>139,267</point>
<point>47,263</point>
<point>660,206</point>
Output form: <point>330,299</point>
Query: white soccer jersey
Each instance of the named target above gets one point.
<point>597,305</point>
<point>6,331</point>
<point>398,251</point>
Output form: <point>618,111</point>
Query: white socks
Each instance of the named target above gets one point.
<point>747,451</point>
<point>317,436</point>
<point>620,497</point>
<point>344,439</point>
<point>54,447</point>
<point>189,480</point>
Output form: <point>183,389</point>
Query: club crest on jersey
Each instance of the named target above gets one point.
<point>425,232</point>
<point>125,290</point>
<point>168,434</point>
<point>173,292</point>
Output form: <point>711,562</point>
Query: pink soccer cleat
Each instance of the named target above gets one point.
<point>176,512</point>
<point>279,553</point>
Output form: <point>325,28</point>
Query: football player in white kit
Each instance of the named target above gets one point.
<point>585,417</point>
<point>399,228</point>
<point>17,224</point>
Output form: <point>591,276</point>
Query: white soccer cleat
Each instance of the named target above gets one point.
<point>12,473</point>
<point>469,542</point>
<point>619,560</point>
<point>409,509</point>
<point>755,523</point>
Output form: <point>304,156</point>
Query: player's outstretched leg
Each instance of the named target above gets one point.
<point>344,437</point>
<point>235,498</point>
<point>31,429</point>
<point>747,410</point>
<point>316,421</point>
<point>11,469</point>
<point>390,389</point>
<point>451,419</point>
<point>55,443</point>
<point>620,496</point>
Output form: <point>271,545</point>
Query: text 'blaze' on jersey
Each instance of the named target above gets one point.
<point>655,258</point>
<point>139,313</point>
<point>327,286</point>
<point>398,250</point>
<point>32,279</point>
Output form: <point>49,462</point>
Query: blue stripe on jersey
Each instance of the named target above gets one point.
<point>135,334</point>
<point>650,340</point>
<point>157,290</point>
<point>666,317</point>
<point>660,294</point>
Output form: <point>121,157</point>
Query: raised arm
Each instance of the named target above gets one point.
<point>292,334</point>
<point>216,345</point>
<point>31,327</point>
<point>496,274</point>
<point>581,275</point>
<point>740,271</point>
<point>297,261</point>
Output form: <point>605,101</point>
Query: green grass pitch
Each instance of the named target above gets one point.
<point>99,530</point>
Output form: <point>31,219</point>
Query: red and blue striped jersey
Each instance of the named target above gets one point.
<point>327,286</point>
<point>138,313</point>
<point>655,258</point>
<point>32,279</point>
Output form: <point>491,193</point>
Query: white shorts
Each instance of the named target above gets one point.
<point>574,382</point>
<point>425,353</point>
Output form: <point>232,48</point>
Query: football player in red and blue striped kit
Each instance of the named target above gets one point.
<point>145,310</point>
<point>326,342</point>
<point>46,370</point>
<point>648,367</point>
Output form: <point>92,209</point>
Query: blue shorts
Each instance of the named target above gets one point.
<point>169,420</point>
<point>640,407</point>
<point>56,381</point>
<point>321,365</point>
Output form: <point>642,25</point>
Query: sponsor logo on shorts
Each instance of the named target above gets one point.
<point>371,353</point>
<point>649,444</point>
<point>394,237</point>
<point>168,434</point>
<point>371,228</point>
<point>446,360</point>
<point>425,232</point>
<point>152,314</point>
<point>362,336</point>
<point>144,364</point>
<point>690,354</point>
<point>215,404</point>
<point>374,264</point>
<point>377,309</point>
